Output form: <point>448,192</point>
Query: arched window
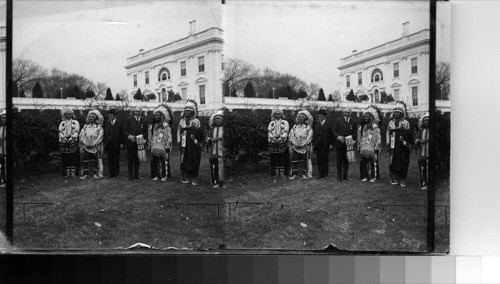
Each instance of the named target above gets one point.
<point>377,75</point>
<point>164,75</point>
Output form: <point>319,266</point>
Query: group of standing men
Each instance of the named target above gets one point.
<point>136,135</point>
<point>293,148</point>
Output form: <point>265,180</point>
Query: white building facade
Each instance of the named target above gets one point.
<point>399,67</point>
<point>191,66</point>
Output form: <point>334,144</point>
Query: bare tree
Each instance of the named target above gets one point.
<point>443,71</point>
<point>25,71</point>
<point>312,90</point>
<point>336,95</point>
<point>101,90</point>
<point>57,80</point>
<point>237,72</point>
<point>124,95</point>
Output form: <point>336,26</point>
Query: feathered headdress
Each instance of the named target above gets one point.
<point>421,120</point>
<point>192,106</point>
<point>307,114</point>
<point>166,112</point>
<point>401,108</point>
<point>376,114</point>
<point>219,113</point>
<point>100,118</point>
<point>66,110</point>
<point>277,110</point>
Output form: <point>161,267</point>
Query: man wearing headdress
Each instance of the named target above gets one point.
<point>3,145</point>
<point>422,144</point>
<point>69,128</point>
<point>369,141</point>
<point>322,143</point>
<point>300,143</point>
<point>113,131</point>
<point>160,142</point>
<point>135,130</point>
<point>91,145</point>
<point>277,137</point>
<point>344,132</point>
<point>216,148</point>
<point>190,139</point>
<point>399,139</point>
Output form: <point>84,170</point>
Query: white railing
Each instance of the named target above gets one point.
<point>229,102</point>
<point>45,103</point>
<point>259,103</point>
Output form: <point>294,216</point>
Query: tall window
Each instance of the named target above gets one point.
<point>183,93</point>
<point>135,80</point>
<point>414,95</point>
<point>163,95</point>
<point>396,94</point>
<point>414,67</point>
<point>201,64</point>
<point>147,77</point>
<point>183,68</point>
<point>396,70</point>
<point>360,79</point>
<point>348,79</point>
<point>202,94</point>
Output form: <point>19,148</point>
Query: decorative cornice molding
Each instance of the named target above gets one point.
<point>389,52</point>
<point>176,51</point>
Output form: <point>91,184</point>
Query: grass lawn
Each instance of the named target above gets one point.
<point>110,213</point>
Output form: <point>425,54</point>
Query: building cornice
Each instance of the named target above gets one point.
<point>175,51</point>
<point>389,52</point>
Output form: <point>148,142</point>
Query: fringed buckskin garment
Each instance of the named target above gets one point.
<point>91,146</point>
<point>300,143</point>
<point>69,130</point>
<point>160,141</point>
<point>277,143</point>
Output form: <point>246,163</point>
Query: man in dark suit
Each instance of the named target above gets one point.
<point>322,143</point>
<point>134,126</point>
<point>344,127</point>
<point>113,131</point>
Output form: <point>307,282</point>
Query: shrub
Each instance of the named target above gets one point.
<point>363,97</point>
<point>35,137</point>
<point>321,96</point>
<point>249,92</point>
<point>138,95</point>
<point>37,91</point>
<point>245,137</point>
<point>109,95</point>
<point>351,96</point>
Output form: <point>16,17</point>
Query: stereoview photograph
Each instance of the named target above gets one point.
<point>249,125</point>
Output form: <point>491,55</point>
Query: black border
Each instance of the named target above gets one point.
<point>95,266</point>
